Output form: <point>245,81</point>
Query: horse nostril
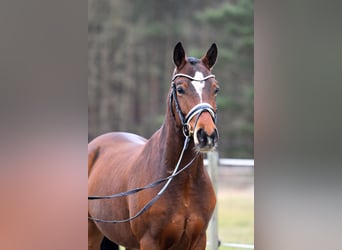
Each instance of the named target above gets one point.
<point>214,136</point>
<point>201,136</point>
<point>211,139</point>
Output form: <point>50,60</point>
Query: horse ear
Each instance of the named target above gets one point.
<point>179,55</point>
<point>210,58</point>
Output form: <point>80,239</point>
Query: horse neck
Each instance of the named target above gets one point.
<point>172,142</point>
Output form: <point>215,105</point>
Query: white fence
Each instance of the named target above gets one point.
<point>213,162</point>
<point>232,162</point>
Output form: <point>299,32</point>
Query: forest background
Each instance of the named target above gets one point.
<point>130,46</point>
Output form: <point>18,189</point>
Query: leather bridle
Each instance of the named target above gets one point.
<point>196,110</point>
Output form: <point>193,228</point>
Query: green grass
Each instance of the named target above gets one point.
<point>235,217</point>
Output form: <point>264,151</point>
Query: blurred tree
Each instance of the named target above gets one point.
<point>232,26</point>
<point>130,45</point>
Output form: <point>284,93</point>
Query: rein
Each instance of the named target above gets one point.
<point>196,110</point>
<point>136,190</point>
<point>152,201</point>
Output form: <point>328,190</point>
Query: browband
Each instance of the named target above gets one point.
<point>192,78</point>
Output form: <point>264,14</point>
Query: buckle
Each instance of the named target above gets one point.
<point>187,132</point>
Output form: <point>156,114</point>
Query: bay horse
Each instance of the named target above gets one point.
<point>176,215</point>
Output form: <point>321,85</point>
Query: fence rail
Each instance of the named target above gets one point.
<point>213,162</point>
<point>233,162</point>
<point>235,245</point>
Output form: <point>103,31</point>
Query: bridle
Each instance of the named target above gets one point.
<point>188,133</point>
<point>196,110</point>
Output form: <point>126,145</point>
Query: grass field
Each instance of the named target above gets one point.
<point>235,200</point>
<point>236,218</point>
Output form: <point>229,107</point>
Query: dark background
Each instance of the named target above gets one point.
<point>130,65</point>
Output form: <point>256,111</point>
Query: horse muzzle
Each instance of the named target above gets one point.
<point>205,133</point>
<point>205,142</point>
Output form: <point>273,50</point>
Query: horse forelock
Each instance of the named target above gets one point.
<point>193,60</point>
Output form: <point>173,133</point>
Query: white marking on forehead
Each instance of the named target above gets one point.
<point>198,84</point>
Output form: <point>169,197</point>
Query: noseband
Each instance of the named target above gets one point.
<point>196,110</point>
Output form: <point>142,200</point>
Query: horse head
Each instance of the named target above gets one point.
<point>193,97</point>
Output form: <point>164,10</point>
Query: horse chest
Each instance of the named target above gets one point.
<point>182,232</point>
<point>193,224</point>
<point>188,222</point>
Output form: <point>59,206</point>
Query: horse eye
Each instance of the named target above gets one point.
<point>180,90</point>
<point>216,90</point>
